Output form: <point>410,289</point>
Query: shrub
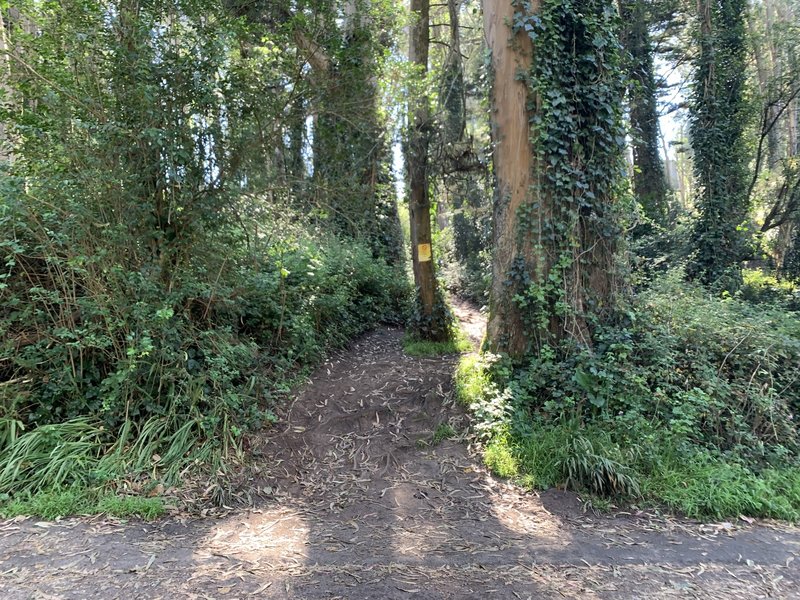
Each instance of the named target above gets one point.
<point>161,282</point>
<point>690,400</point>
<point>179,373</point>
<point>717,371</point>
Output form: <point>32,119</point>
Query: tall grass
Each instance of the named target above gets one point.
<point>52,456</point>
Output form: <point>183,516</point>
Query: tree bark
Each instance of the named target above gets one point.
<point>513,163</point>
<point>649,181</point>
<point>555,233</point>
<point>452,93</point>
<point>718,119</point>
<point>5,90</point>
<point>419,205</point>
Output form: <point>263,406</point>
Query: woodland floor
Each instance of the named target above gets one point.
<point>361,504</point>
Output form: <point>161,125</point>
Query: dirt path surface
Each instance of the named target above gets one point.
<point>365,505</point>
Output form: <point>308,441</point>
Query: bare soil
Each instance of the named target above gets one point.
<point>361,503</point>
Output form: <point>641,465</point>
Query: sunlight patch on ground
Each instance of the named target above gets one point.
<point>524,518</point>
<point>272,534</point>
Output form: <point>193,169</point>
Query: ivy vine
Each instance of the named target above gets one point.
<point>718,117</point>
<point>575,98</point>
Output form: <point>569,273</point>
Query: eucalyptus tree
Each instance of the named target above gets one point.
<point>461,171</point>
<point>431,319</point>
<point>558,139</point>
<point>5,89</point>
<point>350,144</point>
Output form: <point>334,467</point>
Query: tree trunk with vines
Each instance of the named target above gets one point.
<point>557,161</point>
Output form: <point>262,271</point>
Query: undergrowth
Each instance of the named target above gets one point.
<point>131,382</point>
<point>690,404</point>
<point>161,281</point>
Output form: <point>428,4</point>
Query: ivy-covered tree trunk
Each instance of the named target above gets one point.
<point>558,140</point>
<point>718,117</point>
<point>649,181</point>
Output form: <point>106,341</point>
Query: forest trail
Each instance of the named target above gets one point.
<point>365,504</point>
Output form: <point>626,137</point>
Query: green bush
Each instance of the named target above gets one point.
<point>759,287</point>
<point>178,373</point>
<point>719,372</point>
<point>690,401</point>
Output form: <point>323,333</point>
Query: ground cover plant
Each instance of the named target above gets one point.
<point>425,348</point>
<point>690,404</point>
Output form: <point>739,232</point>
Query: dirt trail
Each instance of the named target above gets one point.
<point>365,505</point>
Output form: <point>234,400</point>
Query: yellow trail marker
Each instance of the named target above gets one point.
<point>424,252</point>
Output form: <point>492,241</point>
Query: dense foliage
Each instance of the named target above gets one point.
<point>649,181</point>
<point>199,199</point>
<point>160,288</point>
<point>685,394</point>
<point>693,387</point>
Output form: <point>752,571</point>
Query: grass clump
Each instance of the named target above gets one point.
<point>443,432</point>
<point>500,457</point>
<point>693,482</point>
<point>131,506</point>
<point>689,404</point>
<point>472,379</point>
<point>423,348</point>
<point>55,503</point>
<point>708,486</point>
<point>50,504</point>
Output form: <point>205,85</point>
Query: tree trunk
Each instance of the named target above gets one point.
<point>513,164</point>
<point>649,181</point>
<point>5,89</point>
<point>718,117</point>
<point>295,134</point>
<point>419,205</point>
<point>774,135</point>
<point>557,158</point>
<point>793,112</point>
<point>452,94</point>
<point>351,152</point>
